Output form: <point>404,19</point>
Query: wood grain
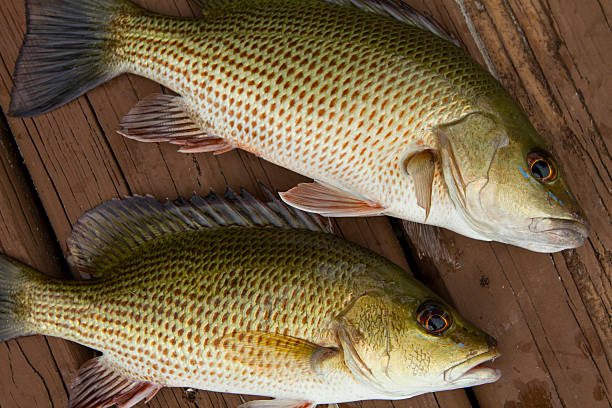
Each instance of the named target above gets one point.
<point>30,373</point>
<point>551,314</point>
<point>77,160</point>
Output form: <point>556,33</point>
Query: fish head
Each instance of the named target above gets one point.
<point>411,344</point>
<point>508,187</point>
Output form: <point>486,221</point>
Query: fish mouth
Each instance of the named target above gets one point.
<point>564,234</point>
<point>471,371</point>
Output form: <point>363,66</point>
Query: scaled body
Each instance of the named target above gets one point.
<point>228,297</point>
<point>386,116</point>
<point>162,316</point>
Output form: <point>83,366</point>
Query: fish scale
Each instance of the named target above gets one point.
<point>235,295</point>
<point>332,93</point>
<point>161,320</point>
<point>368,97</point>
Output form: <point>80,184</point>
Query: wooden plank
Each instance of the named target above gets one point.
<point>77,160</point>
<point>30,373</point>
<point>551,314</point>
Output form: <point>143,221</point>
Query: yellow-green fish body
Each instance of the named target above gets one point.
<point>385,116</point>
<point>213,295</point>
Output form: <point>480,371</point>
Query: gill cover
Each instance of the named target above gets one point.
<point>368,333</point>
<point>467,150</point>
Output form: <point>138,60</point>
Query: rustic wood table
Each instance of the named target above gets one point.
<point>550,313</point>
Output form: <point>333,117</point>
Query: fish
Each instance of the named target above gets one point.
<point>370,99</point>
<point>237,295</point>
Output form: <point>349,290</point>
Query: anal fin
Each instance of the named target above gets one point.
<point>167,118</point>
<point>99,385</point>
<point>329,202</point>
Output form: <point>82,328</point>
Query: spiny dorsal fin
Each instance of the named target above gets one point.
<point>106,233</point>
<point>401,12</point>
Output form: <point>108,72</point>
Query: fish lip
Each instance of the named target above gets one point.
<point>471,371</point>
<point>564,233</point>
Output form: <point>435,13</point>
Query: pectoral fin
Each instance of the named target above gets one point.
<point>275,351</point>
<point>167,118</point>
<point>420,167</point>
<point>329,202</point>
<point>99,385</point>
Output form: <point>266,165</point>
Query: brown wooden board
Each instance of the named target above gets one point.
<point>551,314</point>
<point>30,368</point>
<point>77,160</point>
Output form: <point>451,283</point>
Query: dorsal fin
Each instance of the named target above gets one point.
<point>402,12</point>
<point>106,233</point>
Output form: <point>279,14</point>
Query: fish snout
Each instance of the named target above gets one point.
<point>472,372</point>
<point>562,233</point>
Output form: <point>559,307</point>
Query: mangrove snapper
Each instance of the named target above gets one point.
<point>366,97</point>
<point>239,296</point>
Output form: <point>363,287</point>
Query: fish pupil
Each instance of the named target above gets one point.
<point>436,323</point>
<point>540,169</point>
<point>433,318</point>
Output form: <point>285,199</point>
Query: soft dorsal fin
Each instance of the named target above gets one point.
<point>106,233</point>
<point>402,12</point>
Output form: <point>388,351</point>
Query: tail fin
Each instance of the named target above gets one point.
<point>13,276</point>
<point>64,53</point>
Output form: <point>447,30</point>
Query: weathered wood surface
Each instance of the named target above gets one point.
<point>551,314</point>
<point>31,369</point>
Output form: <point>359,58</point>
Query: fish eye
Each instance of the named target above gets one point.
<point>541,167</point>
<point>433,318</point>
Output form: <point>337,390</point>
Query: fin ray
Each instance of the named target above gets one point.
<point>328,201</point>
<point>13,275</point>
<point>63,53</point>
<point>107,233</point>
<point>99,385</point>
<point>400,11</point>
<point>277,352</point>
<point>277,403</point>
<point>421,167</point>
<point>167,118</point>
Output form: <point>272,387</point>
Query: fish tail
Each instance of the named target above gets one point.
<point>67,51</point>
<point>14,278</point>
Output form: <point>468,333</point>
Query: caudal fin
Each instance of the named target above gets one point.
<point>64,54</point>
<point>13,277</point>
